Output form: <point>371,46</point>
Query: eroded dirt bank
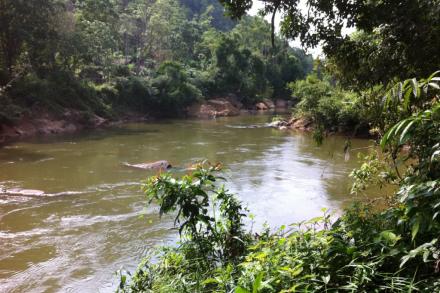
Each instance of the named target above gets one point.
<point>42,122</point>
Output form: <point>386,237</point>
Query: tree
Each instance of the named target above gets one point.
<point>213,9</point>
<point>163,32</point>
<point>26,35</point>
<point>175,89</point>
<point>402,37</point>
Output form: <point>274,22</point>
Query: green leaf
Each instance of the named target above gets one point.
<point>210,281</point>
<point>415,86</point>
<point>407,98</point>
<point>415,228</point>
<point>256,286</point>
<point>403,135</point>
<point>389,237</point>
<point>389,135</point>
<point>434,85</point>
<point>433,75</point>
<point>241,290</point>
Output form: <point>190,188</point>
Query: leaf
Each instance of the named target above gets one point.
<point>210,281</point>
<point>407,98</point>
<point>415,86</point>
<point>403,135</point>
<point>389,237</point>
<point>241,290</point>
<point>432,76</point>
<point>434,85</point>
<point>415,228</point>
<point>389,135</point>
<point>399,91</point>
<point>426,255</point>
<point>256,286</point>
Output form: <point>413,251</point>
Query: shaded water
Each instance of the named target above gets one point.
<point>89,225</point>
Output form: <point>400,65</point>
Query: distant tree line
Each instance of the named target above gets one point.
<point>156,56</point>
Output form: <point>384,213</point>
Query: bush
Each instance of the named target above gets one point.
<point>331,108</point>
<point>175,90</point>
<point>9,112</point>
<point>210,222</point>
<point>135,93</point>
<point>56,92</point>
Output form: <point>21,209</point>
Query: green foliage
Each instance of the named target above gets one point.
<point>210,222</point>
<point>395,39</point>
<point>420,192</point>
<point>159,56</point>
<point>27,35</point>
<point>10,112</point>
<point>213,8</point>
<point>175,89</point>
<point>135,93</point>
<point>331,108</point>
<point>408,97</point>
<point>56,92</point>
<point>208,216</point>
<point>374,171</point>
<point>363,251</point>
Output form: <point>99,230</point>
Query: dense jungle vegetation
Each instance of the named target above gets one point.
<point>156,57</point>
<point>108,57</point>
<point>382,77</point>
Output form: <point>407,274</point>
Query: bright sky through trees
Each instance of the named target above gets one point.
<point>296,43</point>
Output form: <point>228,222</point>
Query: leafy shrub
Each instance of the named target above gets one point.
<point>10,111</point>
<point>135,93</point>
<point>362,251</point>
<point>211,229</point>
<point>56,92</point>
<point>175,90</point>
<point>331,108</point>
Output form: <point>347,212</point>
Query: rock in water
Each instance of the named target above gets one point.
<point>25,192</point>
<point>214,108</point>
<point>261,106</point>
<point>159,165</point>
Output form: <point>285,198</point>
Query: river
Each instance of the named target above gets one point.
<point>94,219</point>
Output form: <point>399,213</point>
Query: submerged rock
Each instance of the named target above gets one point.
<point>25,192</point>
<point>269,103</point>
<point>261,106</point>
<point>278,123</point>
<point>302,124</point>
<point>158,165</point>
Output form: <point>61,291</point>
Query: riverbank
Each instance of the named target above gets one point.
<point>43,122</point>
<point>306,124</point>
<point>40,121</point>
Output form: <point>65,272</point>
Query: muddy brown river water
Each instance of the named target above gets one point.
<point>93,219</point>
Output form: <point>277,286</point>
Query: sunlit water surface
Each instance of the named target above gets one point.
<point>94,220</point>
